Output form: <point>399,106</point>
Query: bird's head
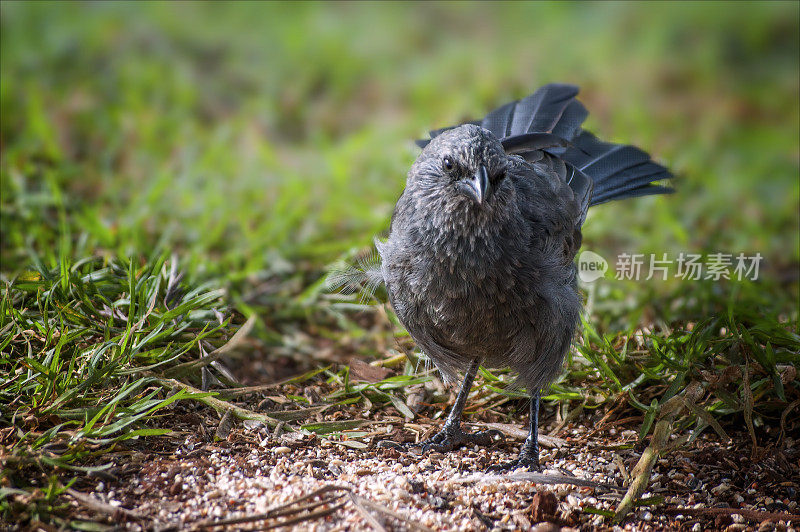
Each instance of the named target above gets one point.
<point>466,162</point>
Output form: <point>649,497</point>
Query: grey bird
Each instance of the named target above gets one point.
<point>479,261</point>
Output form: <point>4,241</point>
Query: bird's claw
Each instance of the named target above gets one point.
<point>446,440</point>
<point>529,462</point>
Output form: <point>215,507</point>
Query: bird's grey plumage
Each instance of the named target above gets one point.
<point>479,262</point>
<point>496,280</point>
<point>616,171</point>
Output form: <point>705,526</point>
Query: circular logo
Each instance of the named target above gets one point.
<point>591,266</point>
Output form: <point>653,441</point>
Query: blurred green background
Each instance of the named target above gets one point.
<point>249,137</point>
<point>242,133</point>
<point>257,143</point>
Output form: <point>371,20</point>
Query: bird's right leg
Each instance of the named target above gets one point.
<point>451,435</point>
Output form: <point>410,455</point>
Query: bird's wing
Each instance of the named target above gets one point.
<point>582,187</point>
<point>550,120</point>
<point>558,172</point>
<point>551,110</point>
<point>553,196</point>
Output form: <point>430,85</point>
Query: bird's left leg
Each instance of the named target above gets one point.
<point>529,454</point>
<point>451,435</point>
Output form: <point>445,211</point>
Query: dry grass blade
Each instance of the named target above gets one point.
<point>284,510</point>
<point>216,354</point>
<point>173,292</point>
<point>644,467</point>
<point>384,510</point>
<point>100,506</point>
<point>708,418</point>
<point>755,515</point>
<point>374,523</point>
<point>785,415</point>
<point>539,478</point>
<point>224,427</point>
<point>550,442</point>
<point>218,404</point>
<point>747,396</point>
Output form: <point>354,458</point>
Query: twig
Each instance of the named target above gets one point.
<point>539,478</point>
<point>303,508</point>
<point>641,473</point>
<point>309,517</point>
<point>384,510</point>
<point>361,504</point>
<point>244,390</point>
<point>365,513</point>
<point>100,506</point>
<point>283,510</point>
<point>515,432</point>
<point>747,514</point>
<point>218,404</point>
<point>389,362</point>
<point>217,353</point>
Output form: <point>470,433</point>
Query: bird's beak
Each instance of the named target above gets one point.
<point>479,184</point>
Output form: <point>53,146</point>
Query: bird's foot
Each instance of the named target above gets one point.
<point>446,440</point>
<point>527,460</point>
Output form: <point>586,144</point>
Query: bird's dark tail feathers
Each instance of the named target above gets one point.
<point>552,113</point>
<point>618,171</point>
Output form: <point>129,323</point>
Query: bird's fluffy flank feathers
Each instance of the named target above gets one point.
<point>363,278</point>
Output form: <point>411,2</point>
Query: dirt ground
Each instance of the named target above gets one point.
<point>214,474</point>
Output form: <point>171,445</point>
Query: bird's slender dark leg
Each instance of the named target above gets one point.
<point>529,454</point>
<point>451,435</point>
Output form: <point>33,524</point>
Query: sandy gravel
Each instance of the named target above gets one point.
<point>251,471</point>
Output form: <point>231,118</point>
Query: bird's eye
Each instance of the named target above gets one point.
<point>448,165</point>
